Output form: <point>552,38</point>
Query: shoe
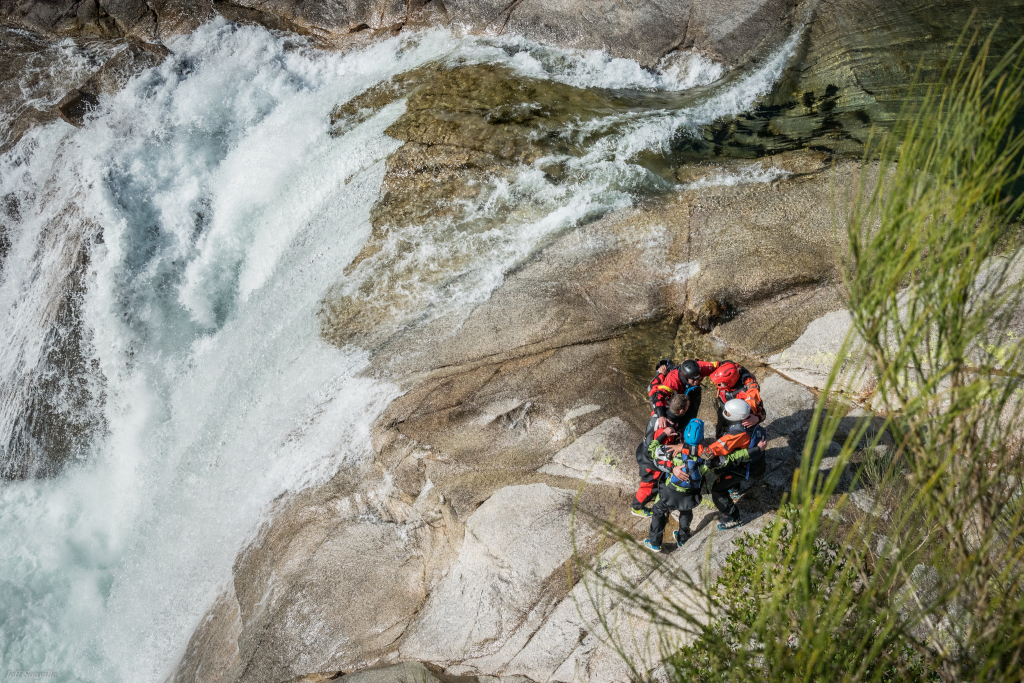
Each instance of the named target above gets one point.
<point>730,523</point>
<point>651,546</point>
<point>681,537</point>
<point>734,494</point>
<point>641,512</point>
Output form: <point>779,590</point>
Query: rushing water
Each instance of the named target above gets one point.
<point>216,211</point>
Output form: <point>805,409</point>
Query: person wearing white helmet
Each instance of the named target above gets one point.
<point>737,455</point>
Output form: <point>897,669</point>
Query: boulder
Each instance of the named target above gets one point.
<point>638,29</point>
<point>769,327</point>
<point>92,18</point>
<point>810,358</point>
<point>789,406</point>
<point>573,645</point>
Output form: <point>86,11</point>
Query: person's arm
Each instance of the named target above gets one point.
<point>658,455</point>
<point>707,367</point>
<point>745,454</point>
<point>659,391</point>
<point>752,396</point>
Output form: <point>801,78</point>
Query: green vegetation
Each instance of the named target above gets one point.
<point>922,580</point>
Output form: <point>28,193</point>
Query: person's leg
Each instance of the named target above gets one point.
<point>685,519</point>
<point>757,469</point>
<point>750,472</point>
<point>659,520</point>
<point>648,488</point>
<point>723,501</point>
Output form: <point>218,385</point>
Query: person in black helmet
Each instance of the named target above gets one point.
<point>687,375</point>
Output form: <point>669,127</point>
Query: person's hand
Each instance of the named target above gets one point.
<point>680,474</point>
<point>762,444</point>
<point>675,450</point>
<point>751,421</point>
<point>662,422</point>
<point>661,369</point>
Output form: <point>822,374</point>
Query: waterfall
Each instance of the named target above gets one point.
<point>174,251</point>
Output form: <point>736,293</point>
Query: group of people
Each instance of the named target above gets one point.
<point>678,466</point>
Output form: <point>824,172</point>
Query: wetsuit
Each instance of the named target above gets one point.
<point>649,471</point>
<point>746,388</point>
<point>661,388</point>
<point>736,457</point>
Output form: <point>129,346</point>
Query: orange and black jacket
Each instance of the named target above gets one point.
<point>746,389</point>
<point>661,387</point>
<point>735,445</point>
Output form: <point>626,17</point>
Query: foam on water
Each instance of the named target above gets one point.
<point>35,73</point>
<point>753,173</point>
<point>219,212</point>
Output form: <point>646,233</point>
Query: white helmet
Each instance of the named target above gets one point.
<point>736,410</point>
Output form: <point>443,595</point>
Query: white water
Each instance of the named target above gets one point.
<point>225,213</point>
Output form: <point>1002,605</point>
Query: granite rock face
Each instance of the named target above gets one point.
<point>852,69</point>
<point>514,545</point>
<point>331,584</point>
<point>504,416</point>
<point>107,19</point>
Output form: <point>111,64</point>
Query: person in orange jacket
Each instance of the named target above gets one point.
<point>731,379</point>
<point>737,454</point>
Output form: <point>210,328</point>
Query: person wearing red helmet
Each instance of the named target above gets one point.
<point>735,381</point>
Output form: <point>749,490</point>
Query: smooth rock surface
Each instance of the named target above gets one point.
<point>514,545</point>
<point>330,585</point>
<point>811,357</point>
<point>789,406</point>
<point>600,455</point>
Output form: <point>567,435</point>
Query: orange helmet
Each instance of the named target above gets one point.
<point>726,376</point>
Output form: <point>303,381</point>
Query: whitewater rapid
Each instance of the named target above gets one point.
<point>216,211</point>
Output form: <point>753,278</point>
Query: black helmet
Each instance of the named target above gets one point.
<point>690,370</point>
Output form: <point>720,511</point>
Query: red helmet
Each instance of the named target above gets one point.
<point>726,376</point>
